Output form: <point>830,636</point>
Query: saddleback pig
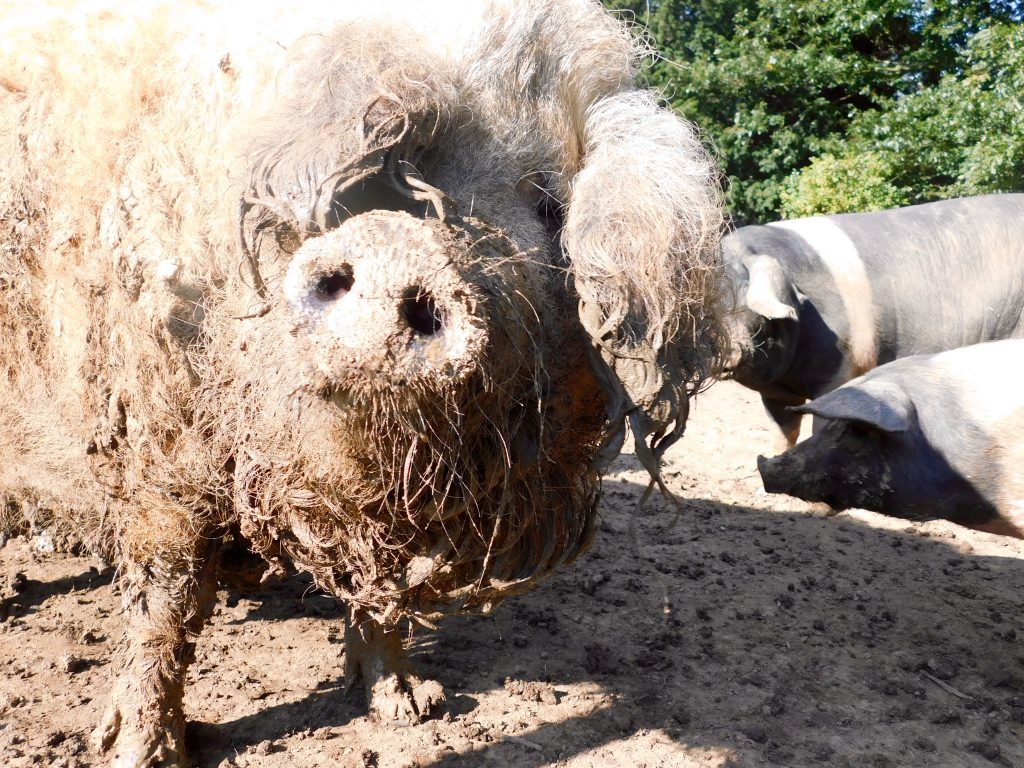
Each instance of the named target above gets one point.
<point>928,436</point>
<point>824,299</point>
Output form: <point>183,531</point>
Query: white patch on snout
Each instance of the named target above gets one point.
<point>364,329</point>
<point>839,255</point>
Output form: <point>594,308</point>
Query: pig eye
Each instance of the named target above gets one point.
<point>551,212</point>
<point>863,431</point>
<point>335,284</point>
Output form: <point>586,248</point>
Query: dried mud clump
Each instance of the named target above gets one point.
<point>532,692</point>
<point>378,290</point>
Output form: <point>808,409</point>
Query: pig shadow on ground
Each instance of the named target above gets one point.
<point>20,595</point>
<point>764,637</point>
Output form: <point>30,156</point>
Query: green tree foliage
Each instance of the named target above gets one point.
<point>963,136</point>
<point>833,184</point>
<point>869,102</point>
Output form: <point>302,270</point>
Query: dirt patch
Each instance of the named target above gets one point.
<point>749,631</point>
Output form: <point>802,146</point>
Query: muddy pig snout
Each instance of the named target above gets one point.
<point>383,302</point>
<point>780,474</point>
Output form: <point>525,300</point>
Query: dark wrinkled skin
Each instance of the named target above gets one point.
<point>847,464</point>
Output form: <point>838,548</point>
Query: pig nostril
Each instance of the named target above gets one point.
<point>420,311</point>
<point>334,285</point>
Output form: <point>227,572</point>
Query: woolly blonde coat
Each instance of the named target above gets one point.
<point>159,164</point>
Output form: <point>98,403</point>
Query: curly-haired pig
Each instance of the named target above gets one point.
<point>381,287</point>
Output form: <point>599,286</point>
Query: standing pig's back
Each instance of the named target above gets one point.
<point>943,275</point>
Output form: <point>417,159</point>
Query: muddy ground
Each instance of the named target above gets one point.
<point>749,631</point>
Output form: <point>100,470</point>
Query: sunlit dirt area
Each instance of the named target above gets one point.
<point>747,630</point>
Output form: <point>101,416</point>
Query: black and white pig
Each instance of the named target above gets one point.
<point>824,299</point>
<point>926,436</point>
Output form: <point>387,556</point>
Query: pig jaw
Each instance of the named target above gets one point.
<point>387,303</point>
<point>760,350</point>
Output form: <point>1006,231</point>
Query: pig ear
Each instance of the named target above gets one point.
<point>769,292</point>
<point>884,406</point>
<point>642,226</point>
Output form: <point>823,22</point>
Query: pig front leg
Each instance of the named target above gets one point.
<point>787,421</point>
<point>378,658</point>
<point>168,586</point>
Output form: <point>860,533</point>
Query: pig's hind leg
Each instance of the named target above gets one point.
<point>168,584</point>
<point>378,658</point>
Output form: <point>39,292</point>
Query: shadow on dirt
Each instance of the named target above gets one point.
<point>781,638</point>
<point>20,595</point>
<point>330,704</point>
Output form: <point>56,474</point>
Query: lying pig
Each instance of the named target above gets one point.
<point>381,286</point>
<point>824,299</point>
<point>926,436</point>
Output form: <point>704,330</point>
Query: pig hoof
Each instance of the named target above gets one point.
<point>821,509</point>
<point>429,698</point>
<point>405,700</point>
<point>139,744</point>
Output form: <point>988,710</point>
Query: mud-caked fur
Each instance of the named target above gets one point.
<point>161,164</point>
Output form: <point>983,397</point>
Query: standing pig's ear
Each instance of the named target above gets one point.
<point>769,292</point>
<point>883,405</point>
<point>642,228</point>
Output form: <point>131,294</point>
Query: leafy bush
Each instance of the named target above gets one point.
<point>840,184</point>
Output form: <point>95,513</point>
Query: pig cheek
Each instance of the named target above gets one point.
<point>860,466</point>
<point>753,348</point>
<point>840,465</point>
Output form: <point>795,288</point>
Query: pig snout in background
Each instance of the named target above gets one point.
<point>821,300</point>
<point>926,436</point>
<point>783,473</point>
